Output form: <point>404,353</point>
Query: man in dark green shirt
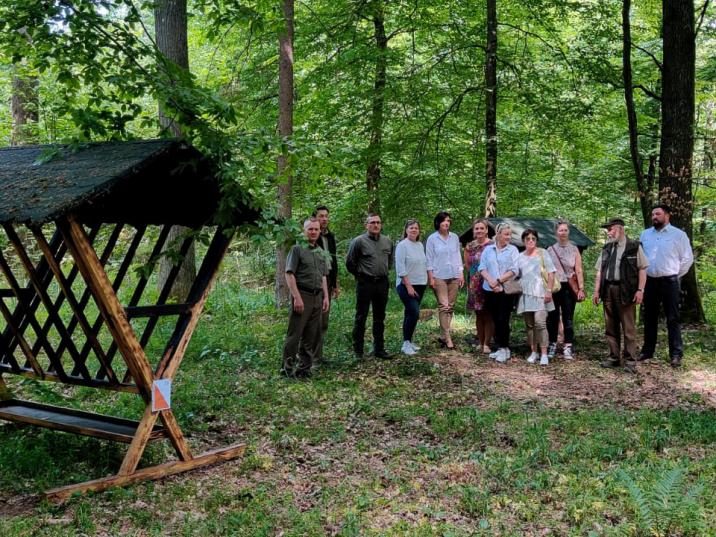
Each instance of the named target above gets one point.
<point>306,271</point>
<point>369,259</point>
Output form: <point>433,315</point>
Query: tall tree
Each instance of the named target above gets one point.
<point>643,186</point>
<point>677,132</point>
<point>170,25</point>
<point>285,131</point>
<point>491,111</point>
<point>375,146</point>
<point>24,107</point>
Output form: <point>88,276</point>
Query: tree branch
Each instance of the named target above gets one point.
<point>648,92</point>
<point>650,54</point>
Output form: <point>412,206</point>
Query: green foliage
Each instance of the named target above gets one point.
<point>668,505</point>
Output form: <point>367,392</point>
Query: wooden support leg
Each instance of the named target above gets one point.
<point>175,435</point>
<point>139,442</point>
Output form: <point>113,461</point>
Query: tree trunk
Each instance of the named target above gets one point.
<point>375,147</point>
<point>645,199</point>
<point>285,130</point>
<point>491,111</point>
<point>170,25</point>
<point>677,133</point>
<point>24,107</point>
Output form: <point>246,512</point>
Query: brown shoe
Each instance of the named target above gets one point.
<point>642,357</point>
<point>676,361</point>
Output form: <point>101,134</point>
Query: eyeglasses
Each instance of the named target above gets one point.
<point>530,238</point>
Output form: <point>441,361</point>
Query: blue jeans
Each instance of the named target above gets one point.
<point>412,309</point>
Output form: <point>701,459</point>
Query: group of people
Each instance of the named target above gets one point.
<point>544,284</point>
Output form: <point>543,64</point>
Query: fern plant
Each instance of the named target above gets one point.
<point>668,506</point>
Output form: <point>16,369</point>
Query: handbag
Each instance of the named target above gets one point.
<point>572,280</point>
<point>556,285</point>
<point>513,286</point>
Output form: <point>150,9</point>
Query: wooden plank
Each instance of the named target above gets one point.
<point>77,309</point>
<point>7,293</point>
<point>41,289</point>
<point>176,347</point>
<point>73,421</point>
<point>72,381</point>
<point>108,304</point>
<point>147,474</point>
<point>157,309</point>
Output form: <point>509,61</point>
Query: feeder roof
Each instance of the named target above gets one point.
<point>543,226</point>
<point>137,182</point>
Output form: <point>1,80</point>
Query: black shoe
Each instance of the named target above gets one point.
<point>442,342</point>
<point>303,374</point>
<point>610,363</point>
<point>643,357</point>
<point>382,354</point>
<point>676,361</point>
<point>629,366</point>
<point>358,351</point>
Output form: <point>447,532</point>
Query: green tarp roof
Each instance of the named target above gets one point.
<point>147,181</point>
<point>543,226</point>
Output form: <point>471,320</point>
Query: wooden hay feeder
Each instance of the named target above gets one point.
<point>60,311</point>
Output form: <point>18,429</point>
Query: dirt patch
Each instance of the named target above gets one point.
<point>583,383</point>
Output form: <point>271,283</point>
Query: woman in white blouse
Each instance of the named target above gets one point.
<point>445,276</point>
<point>412,277</point>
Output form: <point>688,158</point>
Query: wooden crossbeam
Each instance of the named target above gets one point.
<point>41,290</point>
<point>147,474</point>
<point>77,309</point>
<point>71,381</point>
<point>26,350</point>
<point>158,310</point>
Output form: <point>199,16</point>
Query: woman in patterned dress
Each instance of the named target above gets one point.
<point>475,293</point>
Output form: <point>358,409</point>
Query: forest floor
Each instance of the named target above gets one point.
<point>442,443</point>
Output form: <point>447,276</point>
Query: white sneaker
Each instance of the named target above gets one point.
<point>552,350</point>
<point>544,360</point>
<point>567,353</point>
<point>533,358</point>
<point>495,354</point>
<point>407,348</point>
<point>502,355</point>
<point>415,347</point>
<point>508,354</point>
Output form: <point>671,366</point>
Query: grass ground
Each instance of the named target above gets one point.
<point>444,443</point>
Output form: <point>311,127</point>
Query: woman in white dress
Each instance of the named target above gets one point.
<point>536,298</point>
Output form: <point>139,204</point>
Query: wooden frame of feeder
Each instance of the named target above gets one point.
<point>75,231</point>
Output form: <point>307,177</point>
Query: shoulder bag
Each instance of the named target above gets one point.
<point>556,285</point>
<point>572,280</point>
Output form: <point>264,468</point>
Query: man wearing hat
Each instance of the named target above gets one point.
<point>619,284</point>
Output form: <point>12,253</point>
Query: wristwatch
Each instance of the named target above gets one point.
<point>640,290</point>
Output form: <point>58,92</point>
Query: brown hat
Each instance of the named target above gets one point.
<point>613,222</point>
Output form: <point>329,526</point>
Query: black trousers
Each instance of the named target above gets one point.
<point>500,307</point>
<point>370,293</point>
<point>660,291</point>
<point>564,304</point>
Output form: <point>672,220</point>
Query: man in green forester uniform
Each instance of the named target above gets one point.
<point>306,271</point>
